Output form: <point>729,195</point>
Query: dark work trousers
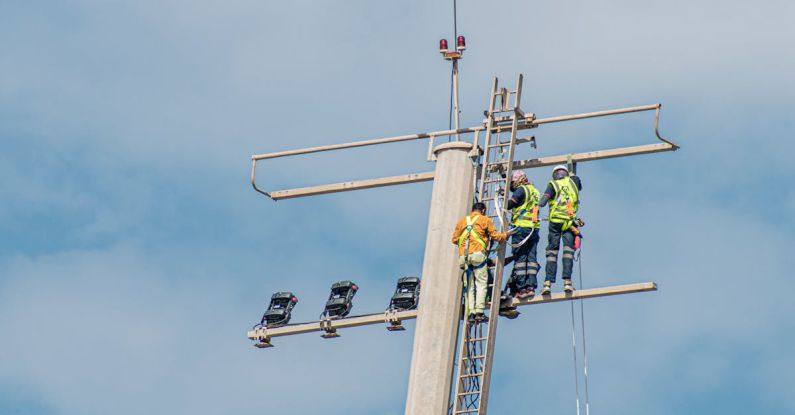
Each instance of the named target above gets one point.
<point>525,261</point>
<point>555,235</point>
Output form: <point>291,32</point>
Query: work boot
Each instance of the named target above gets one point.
<point>547,288</point>
<point>471,319</point>
<point>509,313</point>
<point>526,293</point>
<point>567,286</point>
<point>480,318</point>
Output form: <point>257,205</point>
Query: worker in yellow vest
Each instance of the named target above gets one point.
<point>524,240</point>
<point>563,195</point>
<point>472,235</point>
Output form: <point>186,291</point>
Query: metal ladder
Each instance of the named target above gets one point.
<point>477,343</point>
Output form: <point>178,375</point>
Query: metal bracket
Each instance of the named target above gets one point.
<point>657,128</point>
<point>330,331</point>
<point>263,341</point>
<point>532,141</point>
<point>395,324</point>
<point>571,165</point>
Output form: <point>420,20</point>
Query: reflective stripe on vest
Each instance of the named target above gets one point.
<point>563,208</point>
<point>468,231</point>
<point>522,215</point>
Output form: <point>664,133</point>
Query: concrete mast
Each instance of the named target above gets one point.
<point>439,312</point>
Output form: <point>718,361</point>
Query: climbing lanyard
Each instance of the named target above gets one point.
<point>523,240</point>
<point>501,212</point>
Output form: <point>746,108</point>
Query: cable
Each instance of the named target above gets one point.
<point>574,354</point>
<point>584,350</point>
<point>450,114</point>
<point>455,20</point>
<point>452,70</point>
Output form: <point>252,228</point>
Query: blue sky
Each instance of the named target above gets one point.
<point>134,254</point>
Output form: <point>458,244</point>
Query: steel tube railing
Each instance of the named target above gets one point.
<point>528,122</point>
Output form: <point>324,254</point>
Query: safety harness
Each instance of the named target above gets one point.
<point>469,269</point>
<point>563,208</point>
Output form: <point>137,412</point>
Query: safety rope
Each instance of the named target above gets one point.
<point>523,240</point>
<point>578,258</point>
<point>584,350</point>
<point>501,212</point>
<point>574,355</point>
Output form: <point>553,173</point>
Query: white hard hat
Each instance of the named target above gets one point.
<point>560,167</point>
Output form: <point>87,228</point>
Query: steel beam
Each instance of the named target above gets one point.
<point>385,318</point>
<point>594,155</point>
<point>587,293</point>
<point>318,326</point>
<point>352,185</point>
<point>529,121</point>
<point>428,176</point>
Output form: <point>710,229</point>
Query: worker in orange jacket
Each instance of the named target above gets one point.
<point>472,235</point>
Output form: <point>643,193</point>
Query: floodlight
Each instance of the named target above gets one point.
<point>407,294</point>
<point>340,301</point>
<point>278,312</point>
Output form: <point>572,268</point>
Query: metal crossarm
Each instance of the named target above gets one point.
<point>386,319</point>
<point>493,125</point>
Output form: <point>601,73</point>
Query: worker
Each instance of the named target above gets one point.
<point>472,235</point>
<point>563,195</point>
<point>524,250</point>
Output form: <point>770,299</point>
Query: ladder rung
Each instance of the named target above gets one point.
<point>467,411</point>
<point>469,375</point>
<point>478,339</point>
<point>496,162</point>
<point>483,356</point>
<point>468,393</point>
<point>500,145</point>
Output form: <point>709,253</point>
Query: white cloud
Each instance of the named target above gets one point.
<point>169,99</point>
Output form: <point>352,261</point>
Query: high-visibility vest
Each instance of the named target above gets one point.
<point>563,208</point>
<point>522,216</point>
<point>462,240</point>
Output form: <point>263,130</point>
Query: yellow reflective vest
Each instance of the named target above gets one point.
<point>563,208</point>
<point>522,216</point>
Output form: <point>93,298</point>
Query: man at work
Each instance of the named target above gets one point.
<point>524,241</point>
<point>563,195</point>
<point>472,235</point>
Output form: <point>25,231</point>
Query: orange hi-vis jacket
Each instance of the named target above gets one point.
<point>483,226</point>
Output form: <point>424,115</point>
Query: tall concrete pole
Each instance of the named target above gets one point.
<point>439,312</point>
